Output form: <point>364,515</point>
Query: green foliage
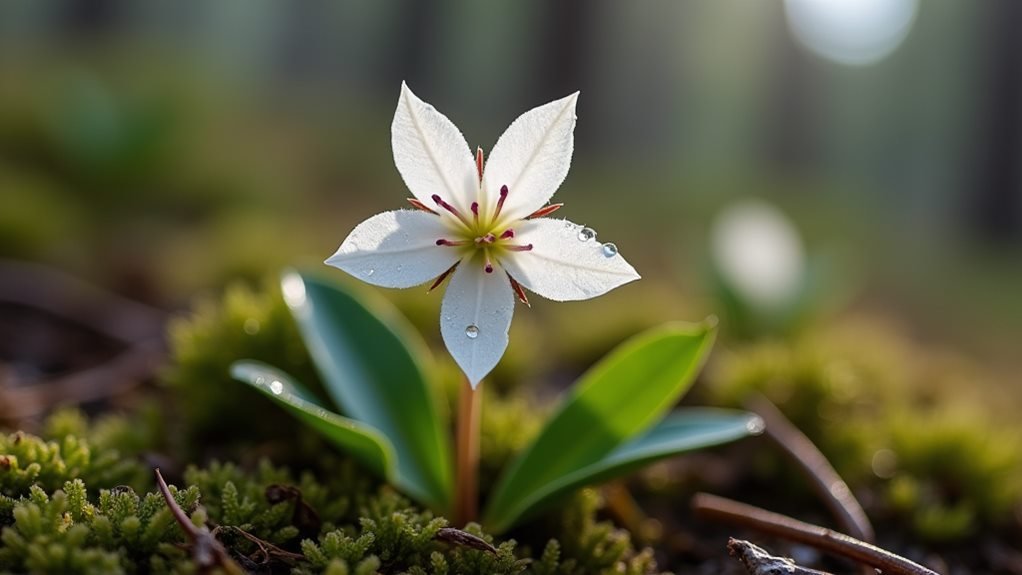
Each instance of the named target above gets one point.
<point>98,454</point>
<point>371,362</point>
<point>620,398</point>
<point>341,522</point>
<point>865,396</point>
<point>246,323</point>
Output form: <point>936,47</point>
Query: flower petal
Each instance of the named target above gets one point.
<point>532,157</point>
<point>431,154</point>
<point>475,317</point>
<point>562,267</point>
<point>396,249</point>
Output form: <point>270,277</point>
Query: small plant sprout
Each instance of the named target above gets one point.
<point>482,224</point>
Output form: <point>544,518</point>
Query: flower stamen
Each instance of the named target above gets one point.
<point>545,211</point>
<point>452,244</point>
<point>508,234</point>
<point>440,279</point>
<point>525,248</point>
<point>519,291</point>
<point>421,206</point>
<point>488,266</point>
<point>440,202</point>
<point>487,239</point>
<point>475,212</point>
<point>500,203</point>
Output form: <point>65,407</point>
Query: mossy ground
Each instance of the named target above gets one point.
<point>79,496</point>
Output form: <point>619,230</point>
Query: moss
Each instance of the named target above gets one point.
<point>868,398</point>
<point>244,324</point>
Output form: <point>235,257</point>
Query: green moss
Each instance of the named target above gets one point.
<point>244,324</point>
<point>866,397</point>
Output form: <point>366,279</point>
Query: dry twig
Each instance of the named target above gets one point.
<point>758,562</point>
<point>729,511</point>
<point>825,480</point>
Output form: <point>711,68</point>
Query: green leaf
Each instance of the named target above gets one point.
<point>363,442</point>
<point>682,431</point>
<point>621,397</point>
<point>369,359</point>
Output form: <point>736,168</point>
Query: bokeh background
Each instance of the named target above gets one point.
<point>165,149</point>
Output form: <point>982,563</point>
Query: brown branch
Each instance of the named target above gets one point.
<point>727,511</point>
<point>824,479</point>
<point>758,562</point>
<point>207,552</point>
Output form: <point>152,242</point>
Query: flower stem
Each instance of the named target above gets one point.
<point>466,498</point>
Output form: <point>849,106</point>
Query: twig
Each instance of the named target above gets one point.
<point>825,480</point>
<point>728,511</point>
<point>207,552</point>
<point>268,550</point>
<point>758,562</point>
<point>463,538</point>
<point>111,378</point>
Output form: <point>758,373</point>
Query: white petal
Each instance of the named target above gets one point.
<point>532,157</point>
<point>431,154</point>
<point>560,266</point>
<point>475,317</point>
<point>396,249</point>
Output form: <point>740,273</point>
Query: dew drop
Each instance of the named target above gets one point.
<point>472,332</point>
<point>586,234</point>
<point>609,250</point>
<point>370,272</point>
<point>276,387</point>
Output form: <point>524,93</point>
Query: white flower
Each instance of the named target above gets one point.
<point>484,225</point>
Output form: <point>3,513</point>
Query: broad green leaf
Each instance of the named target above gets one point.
<point>369,359</point>
<point>363,442</point>
<point>682,431</point>
<point>621,397</point>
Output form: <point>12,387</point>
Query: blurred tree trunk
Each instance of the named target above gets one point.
<point>996,200</point>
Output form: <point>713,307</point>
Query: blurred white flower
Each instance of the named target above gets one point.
<point>483,226</point>
<point>758,253</point>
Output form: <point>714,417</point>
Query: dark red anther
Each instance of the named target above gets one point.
<point>508,234</point>
<point>500,203</point>
<point>488,268</point>
<point>545,211</point>
<point>450,244</point>
<point>475,211</point>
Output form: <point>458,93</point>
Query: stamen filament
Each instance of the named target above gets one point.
<point>525,248</point>
<point>487,239</point>
<point>475,212</point>
<point>452,244</point>
<point>500,202</point>
<point>440,279</point>
<point>545,211</point>
<point>488,266</point>
<point>517,287</point>
<point>440,202</point>
<point>421,206</point>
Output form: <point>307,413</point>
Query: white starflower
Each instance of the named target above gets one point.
<point>483,225</point>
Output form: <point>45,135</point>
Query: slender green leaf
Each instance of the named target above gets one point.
<point>369,359</point>
<point>363,442</point>
<point>682,431</point>
<point>621,397</point>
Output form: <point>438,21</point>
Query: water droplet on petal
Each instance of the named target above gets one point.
<point>276,387</point>
<point>609,250</point>
<point>586,234</point>
<point>472,332</point>
<point>370,272</point>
